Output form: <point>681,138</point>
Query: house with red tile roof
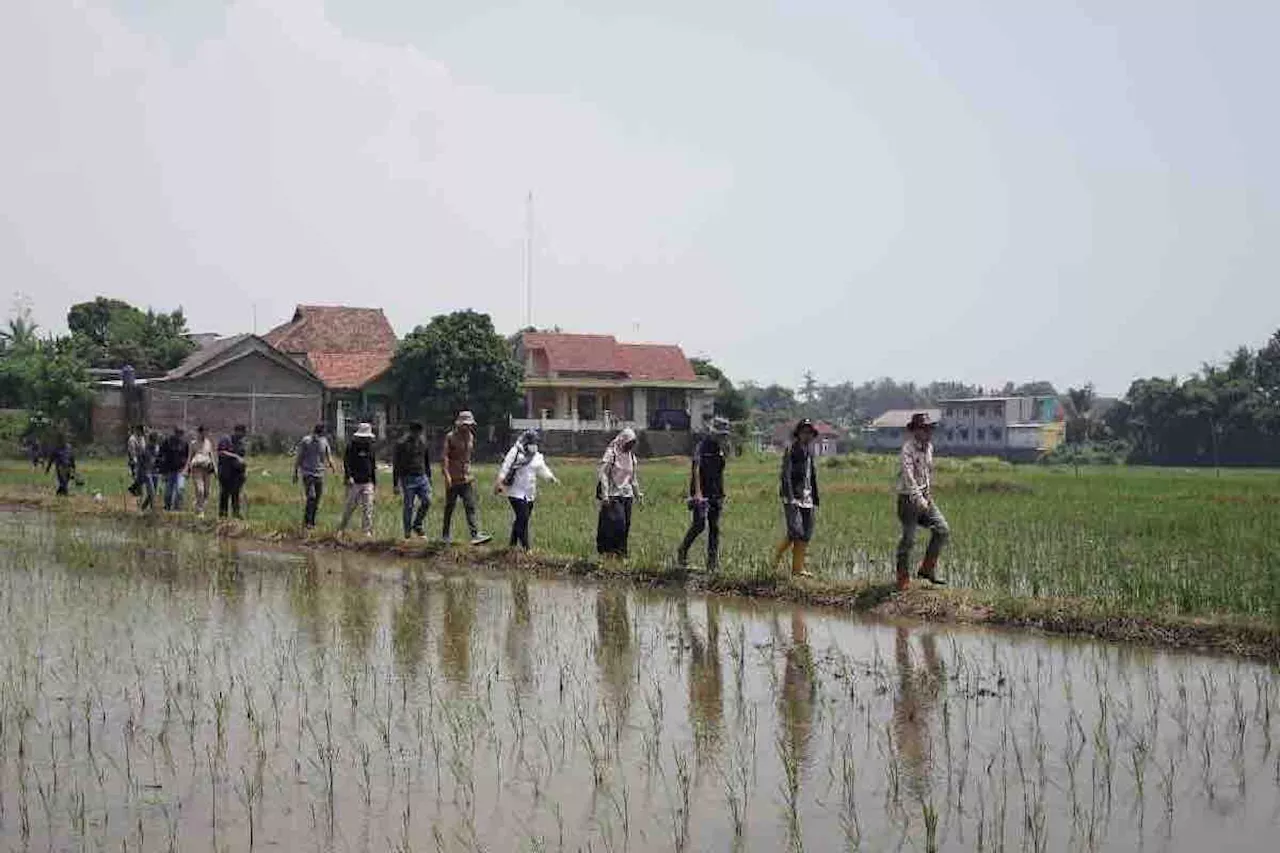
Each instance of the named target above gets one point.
<point>350,350</point>
<point>593,382</point>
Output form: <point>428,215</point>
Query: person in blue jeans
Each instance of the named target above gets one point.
<point>310,459</point>
<point>173,462</point>
<point>411,474</point>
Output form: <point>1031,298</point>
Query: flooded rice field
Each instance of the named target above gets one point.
<point>163,691</point>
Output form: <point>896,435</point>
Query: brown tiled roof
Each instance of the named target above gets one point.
<point>347,371</point>
<point>602,354</point>
<point>655,361</point>
<point>334,328</point>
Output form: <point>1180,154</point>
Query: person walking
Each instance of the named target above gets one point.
<point>200,465</point>
<point>411,474</point>
<point>311,457</point>
<point>706,494</point>
<point>916,507</point>
<point>617,488</point>
<point>134,448</point>
<point>144,476</point>
<point>799,492</point>
<point>233,457</point>
<point>62,459</point>
<point>459,481</point>
<point>360,466</point>
<point>518,480</point>
<point>173,462</point>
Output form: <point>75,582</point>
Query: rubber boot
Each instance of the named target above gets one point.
<point>797,558</point>
<point>904,579</point>
<point>929,570</point>
<point>780,551</point>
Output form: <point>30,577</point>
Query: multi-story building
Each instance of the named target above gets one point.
<point>1019,427</point>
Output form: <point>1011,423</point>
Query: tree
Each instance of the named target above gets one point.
<point>1038,388</point>
<point>111,333</point>
<point>457,361</point>
<point>1079,410</point>
<point>730,402</point>
<point>47,378</point>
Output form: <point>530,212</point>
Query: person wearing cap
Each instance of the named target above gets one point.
<point>360,465</point>
<point>411,471</point>
<point>706,493</point>
<point>518,480</point>
<point>459,481</point>
<point>310,459</point>
<point>799,492</point>
<point>916,507</point>
<point>617,488</point>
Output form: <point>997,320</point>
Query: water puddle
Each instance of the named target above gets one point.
<point>162,690</point>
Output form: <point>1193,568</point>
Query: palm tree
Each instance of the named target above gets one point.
<point>21,331</point>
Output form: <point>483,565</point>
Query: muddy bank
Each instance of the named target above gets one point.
<point>1253,639</point>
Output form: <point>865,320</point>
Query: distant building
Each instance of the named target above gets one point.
<point>888,431</point>
<point>350,350</point>
<point>594,384</point>
<point>1014,427</point>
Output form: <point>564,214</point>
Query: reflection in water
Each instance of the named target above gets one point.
<point>359,612</point>
<point>409,623</point>
<point>459,619</point>
<point>913,709</point>
<point>613,650</point>
<point>306,600</point>
<point>706,686</point>
<point>796,719</point>
<point>519,643</point>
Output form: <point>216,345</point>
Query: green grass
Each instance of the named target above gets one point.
<point>1135,541</point>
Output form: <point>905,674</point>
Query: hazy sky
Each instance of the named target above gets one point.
<point>980,191</point>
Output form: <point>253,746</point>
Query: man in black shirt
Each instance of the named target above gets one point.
<point>706,493</point>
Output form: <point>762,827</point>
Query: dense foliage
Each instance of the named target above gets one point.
<point>457,361</point>
<point>110,333</point>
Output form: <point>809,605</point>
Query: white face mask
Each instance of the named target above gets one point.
<point>532,448</point>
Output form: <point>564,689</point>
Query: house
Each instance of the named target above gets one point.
<point>1012,427</point>
<point>593,383</point>
<point>888,431</point>
<point>826,444</point>
<point>237,380</point>
<point>350,350</point>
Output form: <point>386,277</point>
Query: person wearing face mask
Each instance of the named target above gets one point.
<point>518,480</point>
<point>706,494</point>
<point>459,481</point>
<point>617,488</point>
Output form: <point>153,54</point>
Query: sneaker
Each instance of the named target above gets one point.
<point>481,539</point>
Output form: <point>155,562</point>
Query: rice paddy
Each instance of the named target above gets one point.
<point>165,690</point>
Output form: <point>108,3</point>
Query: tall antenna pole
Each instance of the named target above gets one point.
<point>528,261</point>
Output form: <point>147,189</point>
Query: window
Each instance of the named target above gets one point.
<point>982,411</point>
<point>964,413</point>
<point>950,412</point>
<point>995,433</point>
<point>982,434</point>
<point>951,434</point>
<point>964,433</point>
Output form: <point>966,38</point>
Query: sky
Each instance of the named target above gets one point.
<point>979,190</point>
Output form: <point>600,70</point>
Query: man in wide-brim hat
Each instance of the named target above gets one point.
<point>459,481</point>
<point>916,506</point>
<point>798,489</point>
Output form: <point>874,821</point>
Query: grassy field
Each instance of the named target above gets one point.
<point>1134,541</point>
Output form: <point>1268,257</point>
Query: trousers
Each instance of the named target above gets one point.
<point>912,517</point>
<point>467,494</point>
<point>359,494</point>
<point>706,516</point>
<point>523,510</point>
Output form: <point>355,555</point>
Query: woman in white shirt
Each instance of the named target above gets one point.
<point>617,487</point>
<point>518,480</point>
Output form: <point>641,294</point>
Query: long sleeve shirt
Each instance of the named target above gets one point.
<point>616,476</point>
<point>524,483</point>
<point>799,478</point>
<point>915,478</point>
<point>358,462</point>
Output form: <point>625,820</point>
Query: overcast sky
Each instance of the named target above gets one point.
<point>983,191</point>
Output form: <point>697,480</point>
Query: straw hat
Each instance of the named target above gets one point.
<point>365,430</point>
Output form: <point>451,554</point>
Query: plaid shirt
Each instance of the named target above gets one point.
<point>916,477</point>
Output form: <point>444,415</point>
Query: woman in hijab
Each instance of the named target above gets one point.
<point>518,480</point>
<point>617,488</point>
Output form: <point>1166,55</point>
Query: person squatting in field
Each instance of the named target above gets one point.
<point>617,488</point>
<point>916,507</point>
<point>706,494</point>
<point>360,468</point>
<point>799,492</point>
<point>411,475</point>
<point>518,480</point>
<point>312,456</point>
<point>459,481</point>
